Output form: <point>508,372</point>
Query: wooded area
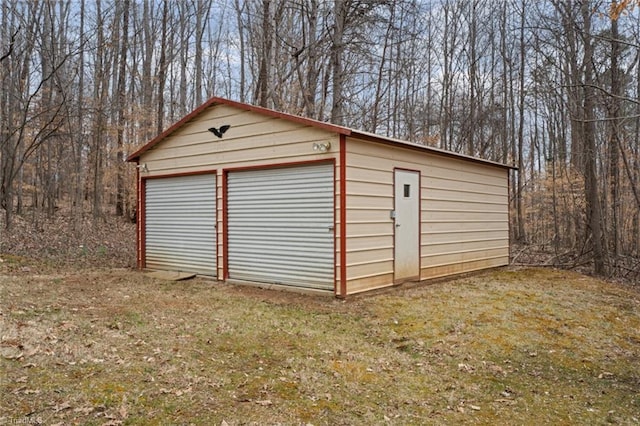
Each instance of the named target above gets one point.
<point>549,86</point>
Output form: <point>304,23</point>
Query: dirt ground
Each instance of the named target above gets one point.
<point>509,346</point>
<point>63,243</point>
<point>86,339</point>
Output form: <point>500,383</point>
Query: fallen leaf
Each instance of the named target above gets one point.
<point>465,367</point>
<point>17,356</point>
<point>60,407</point>
<point>124,413</point>
<point>33,351</point>
<point>83,410</point>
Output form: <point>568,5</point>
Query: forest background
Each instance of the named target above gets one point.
<point>551,87</point>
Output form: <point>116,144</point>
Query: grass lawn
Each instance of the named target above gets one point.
<point>114,346</point>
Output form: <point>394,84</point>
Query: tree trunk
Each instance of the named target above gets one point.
<point>614,152</point>
<point>121,96</point>
<point>594,220</point>
<point>337,51</point>
<point>162,65</point>
<point>521,237</point>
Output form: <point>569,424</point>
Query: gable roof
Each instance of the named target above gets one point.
<point>306,121</point>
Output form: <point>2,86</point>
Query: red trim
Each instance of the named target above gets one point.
<point>419,225</point>
<point>142,224</point>
<point>343,216</point>
<point>246,107</point>
<point>370,137</point>
<point>142,200</point>
<point>308,122</point>
<point>225,209</point>
<point>138,215</point>
<point>180,174</point>
<point>280,165</point>
<point>335,235</point>
<point>509,212</point>
<point>225,228</point>
<point>419,172</point>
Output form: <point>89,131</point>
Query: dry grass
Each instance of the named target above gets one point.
<point>504,347</point>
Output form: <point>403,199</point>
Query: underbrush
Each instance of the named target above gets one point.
<point>67,243</point>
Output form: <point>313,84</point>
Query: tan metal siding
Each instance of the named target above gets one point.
<point>369,227</point>
<point>464,213</point>
<point>464,216</point>
<point>252,140</point>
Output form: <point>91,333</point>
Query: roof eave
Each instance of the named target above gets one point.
<point>221,101</point>
<point>438,151</point>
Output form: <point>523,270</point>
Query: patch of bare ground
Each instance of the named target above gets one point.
<point>63,243</point>
<point>115,346</point>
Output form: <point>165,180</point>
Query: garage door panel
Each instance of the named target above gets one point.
<point>280,226</point>
<point>180,224</point>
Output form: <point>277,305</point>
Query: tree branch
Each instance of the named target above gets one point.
<point>606,92</point>
<point>11,43</point>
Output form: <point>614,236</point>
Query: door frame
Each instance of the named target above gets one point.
<point>278,165</point>
<point>396,279</point>
<point>141,218</point>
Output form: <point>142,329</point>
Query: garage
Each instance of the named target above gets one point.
<point>180,223</point>
<point>281,226</point>
<point>283,200</point>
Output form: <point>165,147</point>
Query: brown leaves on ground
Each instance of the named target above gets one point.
<point>114,346</point>
<point>65,243</point>
<point>83,342</point>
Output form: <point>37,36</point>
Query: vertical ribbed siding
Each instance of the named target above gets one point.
<point>280,226</point>
<point>180,224</point>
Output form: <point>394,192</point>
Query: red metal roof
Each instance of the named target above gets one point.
<point>221,101</point>
<point>303,120</point>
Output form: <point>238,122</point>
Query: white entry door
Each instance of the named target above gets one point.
<point>407,226</point>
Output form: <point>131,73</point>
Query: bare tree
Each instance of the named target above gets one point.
<point>121,97</point>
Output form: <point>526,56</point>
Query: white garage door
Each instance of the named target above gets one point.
<point>280,224</point>
<point>180,224</point>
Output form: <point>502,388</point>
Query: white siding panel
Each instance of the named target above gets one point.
<point>280,226</point>
<point>180,224</point>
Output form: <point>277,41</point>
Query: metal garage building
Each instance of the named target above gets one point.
<point>284,200</point>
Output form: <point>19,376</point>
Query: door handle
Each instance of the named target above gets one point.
<point>397,225</point>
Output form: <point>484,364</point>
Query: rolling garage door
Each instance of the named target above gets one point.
<point>180,224</point>
<point>280,226</point>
